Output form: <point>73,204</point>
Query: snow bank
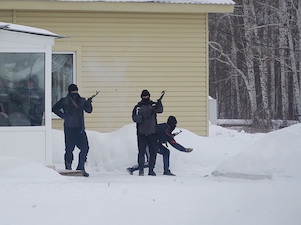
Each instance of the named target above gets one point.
<point>13,168</point>
<point>109,152</point>
<point>224,153</point>
<point>115,151</point>
<point>276,154</point>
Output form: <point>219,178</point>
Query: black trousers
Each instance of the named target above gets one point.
<point>152,142</point>
<point>75,136</point>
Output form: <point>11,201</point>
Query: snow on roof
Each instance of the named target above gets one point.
<point>27,29</point>
<point>222,2</point>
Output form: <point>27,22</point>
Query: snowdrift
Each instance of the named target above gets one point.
<point>276,154</point>
<point>16,168</point>
<point>224,153</point>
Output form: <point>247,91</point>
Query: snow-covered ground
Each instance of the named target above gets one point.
<point>257,181</point>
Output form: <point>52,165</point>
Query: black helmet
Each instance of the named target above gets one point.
<point>145,93</point>
<point>172,122</point>
<point>72,87</point>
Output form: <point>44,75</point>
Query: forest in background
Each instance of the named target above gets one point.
<point>254,69</point>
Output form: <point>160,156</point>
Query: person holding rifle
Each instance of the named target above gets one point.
<point>71,108</point>
<point>165,136</point>
<point>144,114</point>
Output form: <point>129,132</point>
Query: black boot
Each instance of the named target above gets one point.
<point>130,170</point>
<point>141,172</point>
<point>167,172</point>
<point>81,166</point>
<point>85,174</point>
<point>151,173</point>
<point>68,166</point>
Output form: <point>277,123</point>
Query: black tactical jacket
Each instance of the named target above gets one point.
<point>145,116</point>
<point>71,109</point>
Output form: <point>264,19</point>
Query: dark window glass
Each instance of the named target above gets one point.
<point>22,89</point>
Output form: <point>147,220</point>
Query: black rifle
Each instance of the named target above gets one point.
<point>176,133</point>
<point>162,95</point>
<point>93,96</point>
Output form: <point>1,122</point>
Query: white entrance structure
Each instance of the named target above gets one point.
<point>25,92</point>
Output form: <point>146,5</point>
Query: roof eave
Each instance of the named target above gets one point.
<point>117,6</point>
<point>27,30</point>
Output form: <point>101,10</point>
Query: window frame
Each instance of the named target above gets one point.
<point>73,53</point>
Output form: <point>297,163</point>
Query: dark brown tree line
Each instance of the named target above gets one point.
<point>255,61</point>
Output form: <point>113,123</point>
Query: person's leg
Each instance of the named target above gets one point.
<point>165,153</point>
<point>153,149</point>
<point>132,169</point>
<point>69,147</point>
<point>142,143</point>
<point>83,145</point>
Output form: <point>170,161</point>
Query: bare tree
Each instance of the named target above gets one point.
<point>292,57</point>
<point>258,50</point>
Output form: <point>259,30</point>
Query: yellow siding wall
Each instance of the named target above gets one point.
<point>121,54</point>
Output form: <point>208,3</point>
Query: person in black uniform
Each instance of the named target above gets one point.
<point>165,136</point>
<point>145,116</point>
<point>71,109</point>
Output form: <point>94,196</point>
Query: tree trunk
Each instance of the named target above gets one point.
<point>235,82</point>
<point>282,52</point>
<point>263,72</point>
<point>292,58</point>
<point>249,56</point>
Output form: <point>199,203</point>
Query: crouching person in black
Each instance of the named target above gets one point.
<point>145,116</point>
<point>71,109</point>
<point>166,136</point>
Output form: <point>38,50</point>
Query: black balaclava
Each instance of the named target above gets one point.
<point>71,88</point>
<point>172,123</point>
<point>145,93</point>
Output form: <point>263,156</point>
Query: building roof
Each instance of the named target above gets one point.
<point>155,6</point>
<point>27,29</point>
<point>222,2</point>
